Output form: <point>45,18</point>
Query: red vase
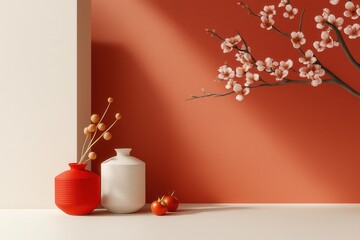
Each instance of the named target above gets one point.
<point>77,191</point>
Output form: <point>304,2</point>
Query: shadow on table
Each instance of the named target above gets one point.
<point>183,210</point>
<point>202,209</point>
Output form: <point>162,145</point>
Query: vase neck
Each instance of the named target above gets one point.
<point>123,151</point>
<point>76,166</point>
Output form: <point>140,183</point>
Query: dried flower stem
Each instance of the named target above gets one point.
<point>89,147</point>
<point>86,160</point>
<point>102,117</point>
<point>83,147</point>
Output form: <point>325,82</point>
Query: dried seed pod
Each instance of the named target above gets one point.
<point>86,131</point>
<point>95,118</point>
<point>107,136</point>
<point>101,127</point>
<point>91,128</point>
<point>92,155</point>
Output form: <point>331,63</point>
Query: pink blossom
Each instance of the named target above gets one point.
<point>351,10</point>
<point>334,2</point>
<point>243,57</point>
<point>268,11</point>
<point>241,92</point>
<point>316,81</point>
<point>337,22</point>
<point>240,55</point>
<point>225,73</point>
<point>267,22</point>
<point>309,57</point>
<point>240,71</point>
<point>279,74</point>
<point>228,44</point>
<point>230,84</point>
<point>286,65</point>
<point>327,41</point>
<point>322,19</point>
<point>283,3</point>
<point>318,47</point>
<point>353,31</point>
<point>268,65</point>
<point>290,11</point>
<point>297,39</point>
<point>251,78</point>
<point>246,59</point>
<point>312,71</point>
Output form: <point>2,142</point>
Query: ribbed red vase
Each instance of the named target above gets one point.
<point>77,191</point>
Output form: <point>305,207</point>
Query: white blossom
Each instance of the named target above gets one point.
<point>353,31</point>
<point>290,12</point>
<point>241,92</point>
<point>251,78</point>
<point>228,44</point>
<point>297,39</point>
<point>309,57</point>
<point>267,22</point>
<point>225,73</point>
<point>351,10</point>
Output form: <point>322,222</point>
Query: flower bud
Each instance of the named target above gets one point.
<point>118,116</point>
<point>110,100</point>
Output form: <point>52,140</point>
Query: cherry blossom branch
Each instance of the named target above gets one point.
<point>250,11</point>
<point>210,95</point>
<point>335,78</point>
<point>301,20</point>
<point>213,33</point>
<point>284,82</point>
<point>287,81</point>
<point>340,82</point>
<point>344,46</point>
<point>280,32</point>
<point>342,42</point>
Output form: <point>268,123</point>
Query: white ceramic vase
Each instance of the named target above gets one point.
<point>123,183</point>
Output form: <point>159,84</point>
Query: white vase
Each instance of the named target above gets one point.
<point>123,183</point>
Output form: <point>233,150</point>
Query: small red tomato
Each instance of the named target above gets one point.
<point>158,207</point>
<point>172,203</point>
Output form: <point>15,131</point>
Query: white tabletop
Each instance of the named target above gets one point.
<point>192,221</point>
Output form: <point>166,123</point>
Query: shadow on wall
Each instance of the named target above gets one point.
<point>289,144</point>
<point>146,125</point>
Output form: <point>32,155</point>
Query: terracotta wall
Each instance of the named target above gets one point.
<point>280,145</point>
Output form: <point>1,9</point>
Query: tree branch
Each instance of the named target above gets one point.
<point>335,78</point>
<point>250,11</point>
<point>277,84</point>
<point>301,20</point>
<point>343,45</point>
<point>205,95</point>
<point>280,32</point>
